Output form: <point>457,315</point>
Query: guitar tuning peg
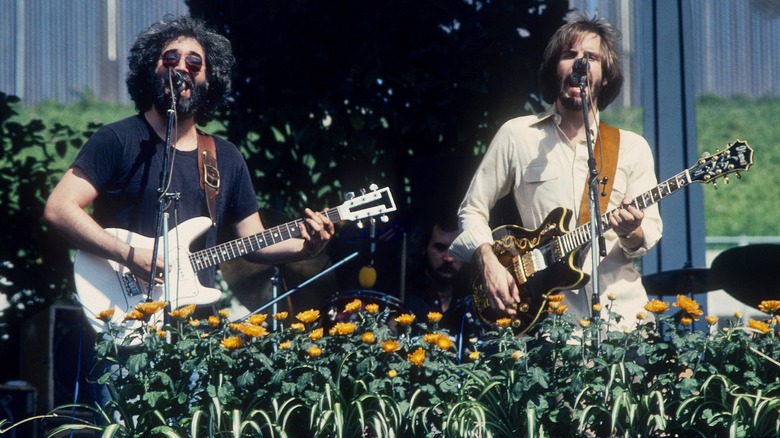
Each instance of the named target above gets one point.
<point>705,155</point>
<point>362,191</point>
<point>726,180</point>
<point>350,195</point>
<point>360,224</point>
<point>373,187</point>
<point>714,184</point>
<point>738,175</point>
<point>384,218</point>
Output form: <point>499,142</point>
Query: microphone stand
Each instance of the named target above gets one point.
<point>162,216</point>
<point>598,243</point>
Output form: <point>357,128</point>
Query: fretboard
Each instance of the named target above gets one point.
<point>236,248</point>
<point>581,235</point>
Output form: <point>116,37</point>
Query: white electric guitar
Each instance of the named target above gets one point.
<point>103,284</point>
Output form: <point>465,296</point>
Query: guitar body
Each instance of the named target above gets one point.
<point>513,244</point>
<point>104,284</point>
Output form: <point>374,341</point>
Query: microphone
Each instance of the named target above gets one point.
<point>177,79</point>
<point>579,70</point>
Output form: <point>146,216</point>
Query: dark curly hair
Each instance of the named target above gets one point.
<point>563,39</point>
<point>147,50</point>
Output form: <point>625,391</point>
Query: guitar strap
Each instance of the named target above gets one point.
<point>609,141</point>
<point>209,174</point>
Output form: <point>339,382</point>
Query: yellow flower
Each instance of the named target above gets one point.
<point>738,315</point>
<point>656,306</point>
<point>149,308</point>
<point>316,334</point>
<point>556,298</point>
<point>474,355</point>
<point>213,320</point>
<point>194,322</point>
<point>280,316</point>
<point>417,357</point>
<point>557,308</point>
<point>431,338</point>
<point>308,316</point>
<point>584,323</point>
<point>758,325</point>
<point>392,373</point>
<point>182,313</point>
<point>444,343</point>
<point>690,306</point>
<point>107,314</point>
<point>372,308</point>
<point>286,345</point>
<point>769,306</point>
<point>224,313</point>
<point>162,334</point>
<point>686,321</point>
<point>503,322</point>
<point>390,346</point>
<point>344,328</point>
<point>297,326</point>
<point>368,337</point>
<point>257,319</point>
<point>597,307</point>
<point>434,317</point>
<point>405,319</point>
<point>517,355</point>
<point>134,315</point>
<point>315,351</point>
<point>353,306</point>
<point>254,331</point>
<point>232,342</point>
<point>640,316</point>
<point>611,296</point>
<point>711,320</point>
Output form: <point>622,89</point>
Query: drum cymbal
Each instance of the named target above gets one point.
<point>749,273</point>
<point>680,281</point>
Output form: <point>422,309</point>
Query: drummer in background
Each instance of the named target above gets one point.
<point>441,285</point>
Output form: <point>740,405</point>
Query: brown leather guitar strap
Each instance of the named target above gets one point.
<point>209,173</point>
<point>606,160</point>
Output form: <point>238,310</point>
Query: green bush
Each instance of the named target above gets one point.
<point>360,378</point>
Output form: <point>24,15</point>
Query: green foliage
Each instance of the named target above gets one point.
<point>356,378</point>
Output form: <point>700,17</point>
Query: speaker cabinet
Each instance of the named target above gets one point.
<point>17,402</point>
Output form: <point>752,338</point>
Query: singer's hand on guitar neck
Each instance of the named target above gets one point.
<point>500,287</point>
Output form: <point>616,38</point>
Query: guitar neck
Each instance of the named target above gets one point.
<point>239,247</point>
<point>582,234</point>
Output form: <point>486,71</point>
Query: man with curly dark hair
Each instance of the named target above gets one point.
<point>118,170</point>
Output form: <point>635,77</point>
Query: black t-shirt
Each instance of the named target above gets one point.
<point>123,161</point>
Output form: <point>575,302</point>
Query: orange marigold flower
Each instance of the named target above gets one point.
<point>149,308</point>
<point>597,307</point>
<point>611,296</point>
<point>353,306</point>
<point>106,315</point>
<point>759,325</point>
<point>134,315</point>
<point>431,338</point>
<point>344,328</point>
<point>368,337</point>
<point>194,322</point>
<point>254,331</point>
<point>316,334</point>
<point>417,357</point>
<point>503,322</point>
<point>390,346</point>
<point>555,298</point>
<point>392,373</point>
<point>434,317</point>
<point>372,308</point>
<point>315,351</point>
<point>584,323</point>
<point>711,320</point>
<point>405,319</point>
<point>640,316</point>
<point>162,334</point>
<point>232,342</point>
<point>213,320</point>
<point>738,315</point>
<point>657,306</point>
<point>286,345</point>
<point>224,313</point>
<point>182,313</point>
<point>308,316</point>
<point>257,319</point>
<point>556,308</point>
<point>686,321</point>
<point>769,306</point>
<point>297,326</point>
<point>474,355</point>
<point>517,355</point>
<point>689,306</point>
<point>280,316</point>
<point>444,343</point>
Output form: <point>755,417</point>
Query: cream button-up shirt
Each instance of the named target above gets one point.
<point>531,158</point>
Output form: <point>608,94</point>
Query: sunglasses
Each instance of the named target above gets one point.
<point>171,59</point>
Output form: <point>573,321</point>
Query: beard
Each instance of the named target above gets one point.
<point>573,103</point>
<point>185,107</point>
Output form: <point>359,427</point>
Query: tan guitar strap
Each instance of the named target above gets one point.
<point>209,173</point>
<point>606,155</point>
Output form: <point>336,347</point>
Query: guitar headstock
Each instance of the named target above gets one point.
<point>738,156</point>
<point>375,202</point>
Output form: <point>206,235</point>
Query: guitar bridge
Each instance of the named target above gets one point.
<point>131,285</point>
